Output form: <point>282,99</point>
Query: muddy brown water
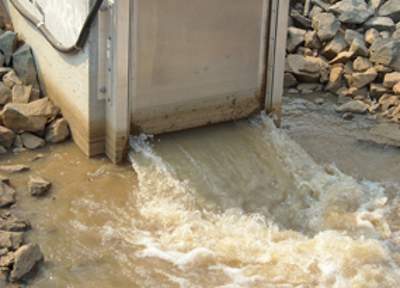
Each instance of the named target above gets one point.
<point>235,205</point>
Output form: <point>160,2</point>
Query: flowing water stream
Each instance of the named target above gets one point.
<point>235,205</point>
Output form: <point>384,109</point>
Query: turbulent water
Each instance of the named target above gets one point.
<point>236,205</point>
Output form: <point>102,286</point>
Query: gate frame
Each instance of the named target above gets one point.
<point>115,72</point>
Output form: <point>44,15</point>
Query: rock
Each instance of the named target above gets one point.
<point>356,106</point>
<point>7,195</point>
<point>3,150</point>
<point>9,222</point>
<point>10,79</point>
<point>8,42</point>
<point>295,38</point>
<point>358,48</point>
<point>312,41</point>
<point>383,69</point>
<point>342,57</point>
<point>361,64</point>
<point>371,36</point>
<point>58,131</point>
<point>396,89</point>
<point>31,141</point>
<point>6,261</point>
<point>38,186</point>
<point>7,137</point>
<point>307,88</point>
<point>319,101</point>
<point>391,79</point>
<point>303,68</point>
<point>334,47</point>
<point>322,4</point>
<point>326,25</point>
<point>380,24</point>
<point>335,78</point>
<point>11,169</point>
<point>396,34</point>
<point>361,79</point>
<point>377,90</point>
<point>348,116</point>
<point>390,9</point>
<point>24,66</point>
<point>387,101</point>
<point>5,94</point>
<point>289,81</point>
<point>385,34</point>
<point>375,4</point>
<point>26,258</point>
<point>11,240</point>
<point>386,52</point>
<point>21,94</point>
<point>31,117</point>
<point>352,11</point>
<point>315,10</point>
<point>350,35</point>
<point>299,19</point>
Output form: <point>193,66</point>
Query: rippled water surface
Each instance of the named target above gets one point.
<point>235,205</point>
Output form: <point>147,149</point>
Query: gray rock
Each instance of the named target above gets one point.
<point>377,90</point>
<point>31,141</point>
<point>7,137</point>
<point>361,79</point>
<point>355,106</point>
<point>358,48</point>
<point>31,117</point>
<point>7,195</point>
<point>335,78</point>
<point>10,79</point>
<point>38,186</point>
<point>295,38</point>
<point>300,19</point>
<point>391,9</point>
<point>11,240</point>
<point>5,94</point>
<point>9,222</point>
<point>334,47</point>
<point>289,81</point>
<point>21,93</point>
<point>58,131</point>
<point>396,34</point>
<point>24,66</point>
<point>307,88</point>
<point>380,24</point>
<point>391,79</point>
<point>326,25</point>
<point>311,40</point>
<point>8,43</point>
<point>352,11</point>
<point>304,69</point>
<point>10,169</point>
<point>348,116</point>
<point>375,4</point>
<point>371,36</point>
<point>361,64</point>
<point>342,57</point>
<point>386,52</point>
<point>350,35</point>
<point>26,258</point>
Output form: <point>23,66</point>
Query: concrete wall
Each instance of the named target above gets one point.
<point>196,62</point>
<point>66,79</point>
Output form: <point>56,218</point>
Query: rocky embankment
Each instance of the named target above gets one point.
<point>350,48</point>
<point>28,120</point>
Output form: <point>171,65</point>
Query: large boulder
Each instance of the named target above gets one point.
<point>24,66</point>
<point>31,117</point>
<point>352,11</point>
<point>26,258</point>
<point>326,25</point>
<point>391,9</point>
<point>8,42</point>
